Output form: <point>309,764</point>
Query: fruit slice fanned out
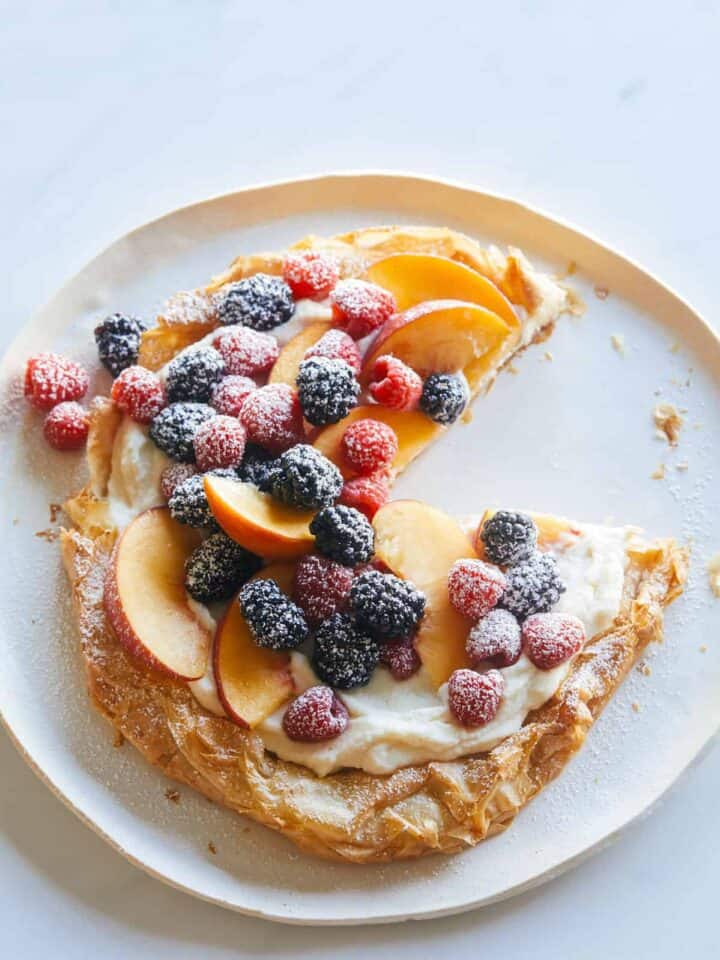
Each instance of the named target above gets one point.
<point>285,369</point>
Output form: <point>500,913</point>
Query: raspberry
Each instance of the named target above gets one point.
<point>495,639</point>
<point>550,639</point>
<point>247,352</point>
<point>366,494</point>
<point>385,605</point>
<point>273,417</point>
<point>369,445</point>
<point>400,657</point>
<point>394,384</point>
<point>310,274</point>
<point>139,393</point>
<point>336,345</point>
<point>274,620</point>
<point>118,341</point>
<point>327,390</point>
<point>305,478</point>
<point>173,475</point>
<point>344,655</point>
<point>474,698</point>
<point>174,427</point>
<point>258,467</point>
<point>189,503</point>
<point>219,442</point>
<point>261,302</point>
<point>508,537</point>
<point>474,587</point>
<point>51,379</point>
<point>230,394</point>
<point>343,534</point>
<point>359,307</point>
<point>66,426</point>
<point>193,374</point>
<point>317,714</point>
<point>321,587</point>
<point>533,586</point>
<point>216,568</point>
<point>444,397</point>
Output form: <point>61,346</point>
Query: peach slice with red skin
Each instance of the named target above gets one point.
<point>285,369</point>
<point>145,599</point>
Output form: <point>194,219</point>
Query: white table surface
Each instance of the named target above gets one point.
<point>114,113</point>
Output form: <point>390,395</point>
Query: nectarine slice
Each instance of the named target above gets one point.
<point>285,369</point>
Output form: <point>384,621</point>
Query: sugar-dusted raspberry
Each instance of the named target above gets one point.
<point>366,494</point>
<point>394,384</point>
<point>219,442</point>
<point>474,587</point>
<point>310,274</point>
<point>321,587</point>
<point>230,394</point>
<point>400,657</point>
<point>247,352</point>
<point>359,307</point>
<point>273,417</point>
<point>173,475</point>
<point>337,345</point>
<point>474,698</point>
<point>495,639</point>
<point>51,379</point>
<point>66,426</point>
<point>317,714</point>
<point>139,393</point>
<point>550,639</point>
<point>369,445</point>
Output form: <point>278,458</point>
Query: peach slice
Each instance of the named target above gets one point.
<point>257,521</point>
<point>252,682</point>
<point>420,543</point>
<point>145,599</point>
<point>285,369</point>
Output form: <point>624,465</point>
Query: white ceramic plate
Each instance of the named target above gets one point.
<point>570,435</point>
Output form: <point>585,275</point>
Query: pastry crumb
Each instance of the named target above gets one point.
<point>645,669</point>
<point>702,648</point>
<point>602,293</point>
<point>713,569</point>
<point>675,347</point>
<point>50,535</point>
<point>511,368</point>
<point>658,473</point>
<point>682,466</point>
<point>618,342</point>
<point>636,706</point>
<point>571,268</point>
<point>212,848</point>
<point>55,510</point>
<point>668,419</point>
<point>172,795</point>
<point>548,356</point>
<point>118,740</point>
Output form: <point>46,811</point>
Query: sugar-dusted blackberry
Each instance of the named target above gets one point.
<point>305,478</point>
<point>344,656</point>
<point>274,620</point>
<point>343,534</point>
<point>118,341</point>
<point>533,586</point>
<point>261,302</point>
<point>189,504</point>
<point>444,397</point>
<point>194,374</point>
<point>258,466</point>
<point>508,537</point>
<point>173,429</point>
<point>216,568</point>
<point>327,389</point>
<point>385,605</point>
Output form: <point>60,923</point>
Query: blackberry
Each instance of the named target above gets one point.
<point>444,397</point>
<point>173,429</point>
<point>344,655</point>
<point>327,389</point>
<point>533,586</point>
<point>508,537</point>
<point>343,534</point>
<point>305,478</point>
<point>261,302</point>
<point>118,341</point>
<point>189,504</point>
<point>216,568</point>
<point>385,605</point>
<point>258,467</point>
<point>274,620</point>
<point>194,374</point>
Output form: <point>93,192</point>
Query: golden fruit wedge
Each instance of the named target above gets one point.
<point>285,369</point>
<point>420,543</point>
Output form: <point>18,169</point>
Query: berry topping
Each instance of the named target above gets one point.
<point>193,374</point>
<point>321,587</point>
<point>258,467</point>
<point>474,698</point>
<point>317,714</point>
<point>533,586</point>
<point>247,352</point>
<point>336,345</point>
<point>366,494</point>
<point>508,537</point>
<point>273,417</point>
<point>310,274</point>
<point>219,442</point>
<point>369,445</point>
<point>66,426</point>
<point>261,302</point>
<point>343,534</point>
<point>189,504</point>
<point>360,307</point>
<point>305,478</point>
<point>474,587</point>
<point>327,389</point>
<point>550,639</point>
<point>444,397</point>
<point>394,384</point>
<point>173,429</point>
<point>344,656</point>
<point>274,620</point>
<point>51,379</point>
<point>139,393</point>
<point>495,639</point>
<point>216,568</point>
<point>385,605</point>
<point>173,475</point>
<point>118,341</point>
<point>400,657</point>
<point>230,394</point>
